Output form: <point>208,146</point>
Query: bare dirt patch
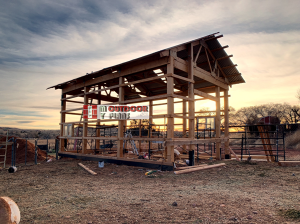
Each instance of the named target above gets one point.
<point>62,192</point>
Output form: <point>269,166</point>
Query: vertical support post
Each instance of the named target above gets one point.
<point>121,123</point>
<point>140,135</point>
<point>218,121</point>
<point>226,124</point>
<point>191,95</point>
<point>277,143</point>
<point>184,121</point>
<point>12,152</point>
<point>26,151</point>
<point>62,121</point>
<point>98,121</point>
<point>85,124</point>
<point>35,153</point>
<point>150,120</point>
<point>169,154</point>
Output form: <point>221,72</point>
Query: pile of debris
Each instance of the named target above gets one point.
<point>20,151</point>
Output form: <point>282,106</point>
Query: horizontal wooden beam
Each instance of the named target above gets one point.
<point>183,78</point>
<point>146,80</point>
<point>126,71</point>
<point>229,56</point>
<point>220,48</point>
<point>194,141</point>
<point>205,95</point>
<point>202,74</point>
<point>64,111</point>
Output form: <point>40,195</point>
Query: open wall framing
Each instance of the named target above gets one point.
<point>181,75</point>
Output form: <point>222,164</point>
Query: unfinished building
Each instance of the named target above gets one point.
<point>176,78</point>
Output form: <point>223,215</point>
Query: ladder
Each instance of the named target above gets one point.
<point>264,135</point>
<point>5,144</point>
<point>129,135</point>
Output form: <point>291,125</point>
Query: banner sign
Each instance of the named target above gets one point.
<point>123,112</point>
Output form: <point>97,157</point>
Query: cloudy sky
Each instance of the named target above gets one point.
<point>44,43</point>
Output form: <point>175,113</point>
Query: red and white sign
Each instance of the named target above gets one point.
<point>123,112</point>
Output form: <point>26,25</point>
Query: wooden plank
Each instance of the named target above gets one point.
<point>145,99</point>
<point>199,168</point>
<point>87,169</point>
<point>75,109</point>
<point>120,122</point>
<point>191,95</point>
<point>85,126</point>
<point>233,153</point>
<point>218,122</point>
<point>228,56</point>
<point>183,78</point>
<point>190,167</point>
<point>189,141</point>
<point>126,71</point>
<point>220,48</point>
<point>205,95</point>
<point>62,120</point>
<point>147,79</point>
<point>200,73</point>
<point>169,153</point>
<point>196,58</point>
<point>226,122</point>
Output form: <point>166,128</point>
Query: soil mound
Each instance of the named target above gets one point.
<point>20,151</point>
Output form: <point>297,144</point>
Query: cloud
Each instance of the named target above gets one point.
<point>44,43</point>
<point>25,122</point>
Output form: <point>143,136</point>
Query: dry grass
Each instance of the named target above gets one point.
<point>293,140</point>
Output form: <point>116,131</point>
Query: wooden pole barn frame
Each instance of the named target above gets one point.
<point>199,68</point>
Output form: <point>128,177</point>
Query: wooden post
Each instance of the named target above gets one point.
<point>120,122</point>
<point>140,135</point>
<point>98,122</point>
<point>217,125</point>
<point>191,95</point>
<point>226,124</point>
<point>85,125</point>
<point>62,120</point>
<point>169,154</point>
<point>151,119</point>
<point>184,121</point>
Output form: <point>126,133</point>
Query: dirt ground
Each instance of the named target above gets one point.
<point>63,192</point>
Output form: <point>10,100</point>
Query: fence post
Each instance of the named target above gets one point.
<point>277,142</point>
<point>15,153</point>
<point>12,152</point>
<point>26,151</point>
<point>35,153</point>
<point>56,148</point>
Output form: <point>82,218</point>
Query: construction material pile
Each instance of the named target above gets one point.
<point>20,151</point>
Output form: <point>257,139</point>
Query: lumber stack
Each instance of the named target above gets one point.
<point>190,169</point>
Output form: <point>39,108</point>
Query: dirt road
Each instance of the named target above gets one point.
<point>62,192</point>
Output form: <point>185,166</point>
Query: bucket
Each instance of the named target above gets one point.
<point>101,164</point>
<point>10,212</point>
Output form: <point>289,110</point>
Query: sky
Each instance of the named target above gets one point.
<point>44,43</point>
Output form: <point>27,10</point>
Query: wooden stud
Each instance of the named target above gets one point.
<point>218,122</point>
<point>169,153</point>
<point>184,121</point>
<point>191,95</point>
<point>62,120</point>
<point>85,125</point>
<point>226,122</point>
<point>121,123</point>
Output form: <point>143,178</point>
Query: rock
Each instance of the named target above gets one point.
<point>174,203</point>
<point>194,187</point>
<point>293,174</point>
<point>249,217</point>
<point>67,217</point>
<point>254,212</point>
<point>222,205</point>
<point>90,222</point>
<point>233,218</point>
